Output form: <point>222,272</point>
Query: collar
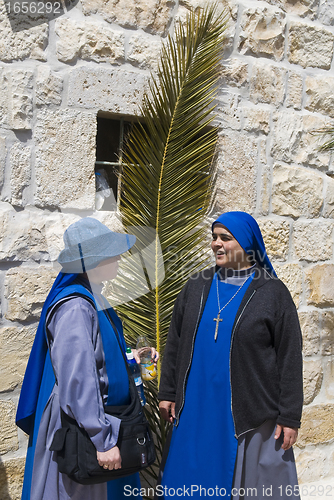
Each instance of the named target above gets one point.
<point>224,272</point>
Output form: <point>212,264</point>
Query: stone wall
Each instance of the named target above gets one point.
<point>277,86</point>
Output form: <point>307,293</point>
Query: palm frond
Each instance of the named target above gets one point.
<point>326,132</point>
<point>328,145</point>
<point>167,182</point>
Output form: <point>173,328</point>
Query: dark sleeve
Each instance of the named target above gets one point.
<point>167,387</point>
<point>288,346</point>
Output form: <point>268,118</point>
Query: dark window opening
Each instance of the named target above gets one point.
<point>110,137</point>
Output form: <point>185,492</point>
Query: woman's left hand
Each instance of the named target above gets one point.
<point>110,459</point>
<point>154,355</point>
<point>289,435</point>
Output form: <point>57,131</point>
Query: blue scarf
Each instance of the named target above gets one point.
<point>246,231</point>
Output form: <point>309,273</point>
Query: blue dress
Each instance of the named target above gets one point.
<point>203,447</point>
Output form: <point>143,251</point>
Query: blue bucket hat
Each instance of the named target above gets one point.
<point>89,242</point>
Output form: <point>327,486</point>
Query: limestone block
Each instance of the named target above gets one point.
<point>288,128</point>
<point>312,379</point>
<point>229,111</point>
<point>310,45</point>
<point>113,90</point>
<point>32,235</point>
<point>320,96</point>
<point>313,240</point>
<point>3,155</point>
<point>4,97</point>
<point>294,140</point>
<point>276,238</point>
<point>15,347</point>
<point>262,32</point>
<point>90,41</point>
<point>265,178</point>
<point>22,98</point>
<point>26,290</point>
<point>314,463</point>
<point>301,8</point>
<point>265,196</point>
<point>235,73</point>
<point>296,192</point>
<point>49,87</point>
<point>328,382</point>
<point>11,478</point>
<point>317,425</point>
<point>20,163</point>
<point>329,199</point>
<point>16,43</point>
<point>327,334</point>
<point>310,326</point>
<point>237,161</point>
<point>144,51</point>
<point>326,12</point>
<point>292,277</point>
<point>267,84</point>
<point>64,158</point>
<point>150,15</point>
<point>320,287</point>
<point>256,119</point>
<point>70,36</point>
<point>102,44</point>
<point>295,91</point>
<point>307,151</point>
<point>8,429</point>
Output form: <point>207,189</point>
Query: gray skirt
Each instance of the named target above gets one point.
<point>263,469</point>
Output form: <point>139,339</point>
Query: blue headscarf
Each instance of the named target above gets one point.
<point>246,231</point>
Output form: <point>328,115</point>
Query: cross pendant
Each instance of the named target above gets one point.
<point>217,320</point>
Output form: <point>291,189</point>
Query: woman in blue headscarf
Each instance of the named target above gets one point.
<point>76,364</point>
<point>231,378</point>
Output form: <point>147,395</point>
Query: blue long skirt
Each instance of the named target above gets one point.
<point>203,447</point>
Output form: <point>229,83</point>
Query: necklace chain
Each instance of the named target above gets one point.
<point>218,319</point>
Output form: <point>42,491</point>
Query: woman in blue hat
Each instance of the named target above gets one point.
<point>76,364</point>
<point>231,378</point>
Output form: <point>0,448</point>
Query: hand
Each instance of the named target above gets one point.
<point>289,435</point>
<point>110,459</point>
<point>154,355</point>
<point>167,410</point>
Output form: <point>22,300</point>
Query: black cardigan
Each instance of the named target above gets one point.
<point>265,354</point>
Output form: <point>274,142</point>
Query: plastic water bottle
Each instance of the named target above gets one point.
<point>148,370</point>
<point>136,374</point>
<point>102,190</point>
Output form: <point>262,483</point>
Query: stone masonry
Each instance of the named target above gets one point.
<point>276,88</point>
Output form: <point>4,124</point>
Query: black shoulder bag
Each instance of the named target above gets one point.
<point>76,454</point>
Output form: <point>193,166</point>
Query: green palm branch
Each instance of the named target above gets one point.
<point>167,184</point>
<point>329,144</point>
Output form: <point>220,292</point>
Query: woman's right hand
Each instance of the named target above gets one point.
<point>167,410</point>
<point>110,459</point>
